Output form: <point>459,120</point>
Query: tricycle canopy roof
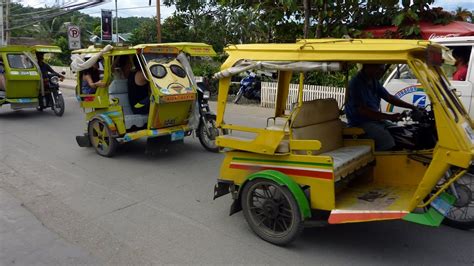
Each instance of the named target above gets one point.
<point>332,50</point>
<point>33,49</point>
<point>193,49</point>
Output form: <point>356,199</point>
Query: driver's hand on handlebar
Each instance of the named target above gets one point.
<point>395,117</point>
<point>61,78</point>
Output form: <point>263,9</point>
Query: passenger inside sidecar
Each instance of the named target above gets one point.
<point>125,71</point>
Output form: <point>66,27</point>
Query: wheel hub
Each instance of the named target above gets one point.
<point>271,209</point>
<point>464,196</point>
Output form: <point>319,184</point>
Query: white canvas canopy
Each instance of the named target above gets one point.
<point>82,62</point>
<point>299,66</point>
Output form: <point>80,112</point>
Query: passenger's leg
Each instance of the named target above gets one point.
<point>378,132</point>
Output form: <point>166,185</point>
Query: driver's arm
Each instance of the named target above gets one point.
<point>378,116</point>
<point>397,102</point>
<point>51,70</point>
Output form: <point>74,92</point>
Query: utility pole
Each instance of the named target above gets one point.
<point>158,22</point>
<point>116,22</point>
<point>7,23</point>
<point>2,26</point>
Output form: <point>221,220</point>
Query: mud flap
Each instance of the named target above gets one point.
<point>83,141</point>
<point>221,189</point>
<point>435,214</point>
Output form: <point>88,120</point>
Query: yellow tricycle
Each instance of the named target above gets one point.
<point>28,82</point>
<point>306,165</point>
<point>145,91</point>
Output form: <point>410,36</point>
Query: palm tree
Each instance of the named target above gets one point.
<point>462,14</point>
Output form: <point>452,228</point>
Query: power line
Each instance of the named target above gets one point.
<point>67,9</point>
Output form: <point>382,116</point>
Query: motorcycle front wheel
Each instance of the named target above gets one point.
<point>461,215</point>
<point>207,133</point>
<point>238,96</point>
<point>58,108</point>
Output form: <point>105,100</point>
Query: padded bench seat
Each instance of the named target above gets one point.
<point>319,120</point>
<point>349,159</point>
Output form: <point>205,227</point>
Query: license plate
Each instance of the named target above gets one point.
<point>177,135</point>
<point>441,206</point>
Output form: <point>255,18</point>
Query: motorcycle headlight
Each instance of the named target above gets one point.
<point>54,80</point>
<point>206,94</point>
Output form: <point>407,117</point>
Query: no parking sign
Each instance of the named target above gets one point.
<point>74,37</point>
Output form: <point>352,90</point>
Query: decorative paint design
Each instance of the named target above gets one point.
<point>352,216</point>
<point>178,98</point>
<point>110,123</point>
<point>23,100</point>
<point>85,98</point>
<point>307,169</point>
<point>408,90</point>
<point>140,134</point>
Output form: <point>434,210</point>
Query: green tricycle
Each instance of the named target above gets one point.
<point>26,81</point>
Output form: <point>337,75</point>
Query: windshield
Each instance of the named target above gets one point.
<point>434,78</point>
<point>19,61</point>
<point>159,58</point>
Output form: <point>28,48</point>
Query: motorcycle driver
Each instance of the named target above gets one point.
<point>45,68</point>
<point>363,107</point>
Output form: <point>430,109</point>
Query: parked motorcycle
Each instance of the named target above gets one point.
<point>206,131</point>
<point>250,88</point>
<point>53,97</point>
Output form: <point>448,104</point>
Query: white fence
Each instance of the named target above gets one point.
<point>310,92</point>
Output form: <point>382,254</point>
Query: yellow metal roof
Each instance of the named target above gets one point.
<point>34,48</point>
<point>194,49</point>
<point>357,50</point>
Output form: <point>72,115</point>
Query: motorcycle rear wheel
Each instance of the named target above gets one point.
<point>208,141</point>
<point>461,215</point>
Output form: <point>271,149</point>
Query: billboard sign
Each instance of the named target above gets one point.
<point>106,25</point>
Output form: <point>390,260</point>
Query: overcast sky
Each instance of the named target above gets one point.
<point>140,8</point>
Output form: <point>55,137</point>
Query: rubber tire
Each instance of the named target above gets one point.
<point>201,132</point>
<point>463,225</point>
<point>238,96</point>
<point>297,223</point>
<point>60,101</point>
<point>113,144</point>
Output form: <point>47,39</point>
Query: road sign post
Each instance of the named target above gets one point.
<point>74,37</point>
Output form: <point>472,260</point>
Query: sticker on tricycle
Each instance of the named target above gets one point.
<point>177,135</point>
<point>441,206</point>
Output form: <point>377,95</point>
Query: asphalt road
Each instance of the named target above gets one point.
<point>139,209</point>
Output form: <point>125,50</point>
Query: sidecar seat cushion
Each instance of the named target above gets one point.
<point>118,89</point>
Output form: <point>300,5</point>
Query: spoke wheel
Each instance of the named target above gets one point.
<point>271,211</point>
<point>208,140</point>
<point>58,108</point>
<point>101,139</point>
<point>461,215</point>
<point>238,96</point>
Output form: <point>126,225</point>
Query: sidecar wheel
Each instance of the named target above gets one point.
<point>271,211</point>
<point>101,138</point>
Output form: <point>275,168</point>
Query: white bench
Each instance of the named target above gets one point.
<point>118,89</point>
